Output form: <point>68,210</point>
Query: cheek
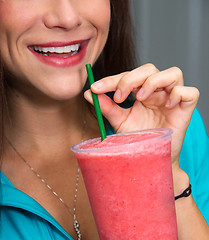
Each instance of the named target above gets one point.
<point>15,15</point>
<point>102,16</point>
<point>98,14</point>
<point>5,12</point>
<point>6,26</point>
<point>15,20</point>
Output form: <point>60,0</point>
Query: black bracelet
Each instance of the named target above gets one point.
<point>185,193</point>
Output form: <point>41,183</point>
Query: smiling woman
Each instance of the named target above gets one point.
<point>44,48</point>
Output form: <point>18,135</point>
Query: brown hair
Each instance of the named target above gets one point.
<point>117,56</point>
<point>2,107</point>
<point>119,53</point>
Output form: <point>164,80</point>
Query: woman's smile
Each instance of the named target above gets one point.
<point>60,54</point>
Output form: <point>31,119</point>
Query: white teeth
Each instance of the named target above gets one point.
<point>65,49</point>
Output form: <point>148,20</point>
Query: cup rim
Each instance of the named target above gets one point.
<point>164,133</point>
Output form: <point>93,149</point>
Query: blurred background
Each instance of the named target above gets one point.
<point>176,33</point>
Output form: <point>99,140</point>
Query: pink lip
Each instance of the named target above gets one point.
<point>59,61</point>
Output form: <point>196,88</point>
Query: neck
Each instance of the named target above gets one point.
<point>47,124</point>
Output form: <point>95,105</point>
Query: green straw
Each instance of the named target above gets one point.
<point>96,103</point>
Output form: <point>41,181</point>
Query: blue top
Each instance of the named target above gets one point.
<point>22,218</point>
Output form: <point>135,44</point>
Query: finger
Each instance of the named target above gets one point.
<point>88,96</point>
<point>186,96</point>
<point>107,84</point>
<point>157,99</point>
<point>164,80</point>
<point>133,80</point>
<point>123,84</point>
<point>110,110</point>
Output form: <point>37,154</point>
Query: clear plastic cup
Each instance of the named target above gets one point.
<point>130,186</point>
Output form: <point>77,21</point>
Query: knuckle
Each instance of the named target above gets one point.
<point>124,81</point>
<point>176,89</point>
<point>196,92</point>
<point>151,67</point>
<point>178,72</point>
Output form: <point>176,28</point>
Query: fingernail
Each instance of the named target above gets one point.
<point>140,93</point>
<point>97,85</point>
<point>117,95</point>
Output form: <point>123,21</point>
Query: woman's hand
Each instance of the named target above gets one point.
<point>161,101</point>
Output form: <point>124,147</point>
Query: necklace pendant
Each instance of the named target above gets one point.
<point>76,227</point>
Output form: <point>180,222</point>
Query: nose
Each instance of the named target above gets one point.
<point>62,14</point>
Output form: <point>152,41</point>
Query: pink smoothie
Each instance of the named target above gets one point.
<point>129,183</point>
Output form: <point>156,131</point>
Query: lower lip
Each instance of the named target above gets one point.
<point>63,62</point>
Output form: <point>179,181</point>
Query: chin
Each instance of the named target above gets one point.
<point>62,87</point>
<point>62,97</point>
<point>64,94</point>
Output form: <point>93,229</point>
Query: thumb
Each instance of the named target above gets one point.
<point>110,110</point>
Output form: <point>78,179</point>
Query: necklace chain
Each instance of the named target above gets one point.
<point>71,211</point>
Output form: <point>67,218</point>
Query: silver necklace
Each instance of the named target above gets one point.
<point>71,211</point>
